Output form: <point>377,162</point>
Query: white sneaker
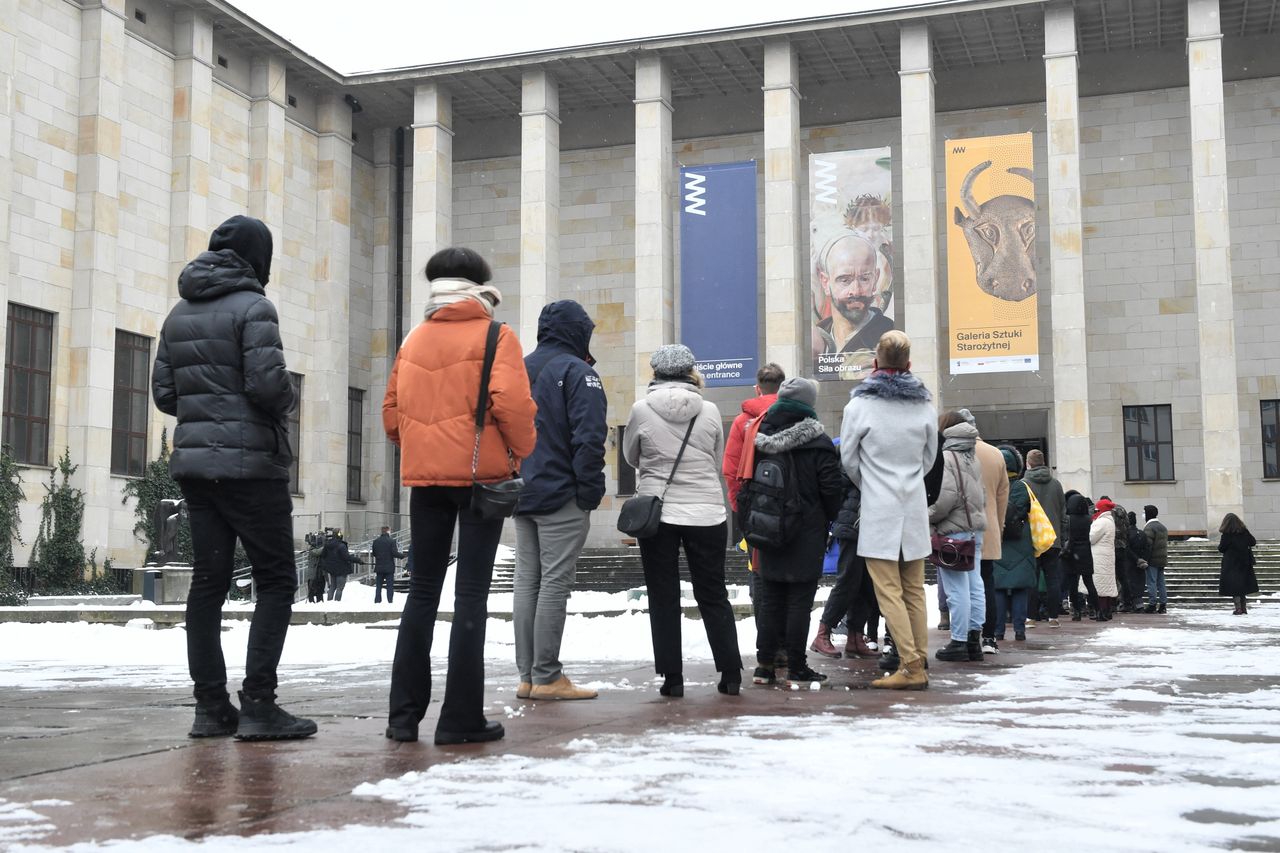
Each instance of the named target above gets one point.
<point>1053,623</point>
<point>989,647</point>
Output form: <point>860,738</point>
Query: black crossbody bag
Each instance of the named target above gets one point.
<point>497,500</point>
<point>641,515</point>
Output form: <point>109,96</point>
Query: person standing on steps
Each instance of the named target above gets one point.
<point>888,441</point>
<point>792,437</point>
<point>563,483</point>
<point>959,514</point>
<point>1237,580</point>
<point>673,414</point>
<point>385,553</point>
<point>429,412</point>
<point>1157,558</point>
<point>220,370</point>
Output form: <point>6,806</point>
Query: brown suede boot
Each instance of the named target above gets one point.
<point>822,643</point>
<point>561,688</point>
<point>523,689</point>
<point>910,677</point>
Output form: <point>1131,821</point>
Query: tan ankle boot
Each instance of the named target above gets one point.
<point>910,677</point>
<point>522,691</point>
<point>561,688</point>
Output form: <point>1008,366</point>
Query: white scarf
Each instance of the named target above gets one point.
<point>446,291</point>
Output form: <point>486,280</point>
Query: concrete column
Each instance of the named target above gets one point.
<point>93,296</point>
<point>382,478</point>
<point>1215,309</point>
<point>432,225</point>
<point>655,271</point>
<point>328,381</point>
<point>1072,452</point>
<point>189,223</point>
<point>8,69</point>
<point>539,200</point>
<point>919,205</point>
<point>785,340</point>
<point>269,103</point>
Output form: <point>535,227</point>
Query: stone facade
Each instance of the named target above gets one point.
<point>106,190</point>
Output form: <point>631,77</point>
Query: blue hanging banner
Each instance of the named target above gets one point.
<point>720,271</point>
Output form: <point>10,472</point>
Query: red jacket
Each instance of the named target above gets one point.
<point>430,406</point>
<point>751,408</point>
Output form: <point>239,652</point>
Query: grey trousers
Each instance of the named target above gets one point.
<point>547,548</point>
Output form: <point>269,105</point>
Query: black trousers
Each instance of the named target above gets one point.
<point>704,550</point>
<point>260,514</point>
<point>988,569</point>
<point>433,513</point>
<point>851,577</point>
<point>1051,599</point>
<point>1071,577</point>
<point>785,609</point>
<point>380,580</point>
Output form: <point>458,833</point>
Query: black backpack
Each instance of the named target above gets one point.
<point>769,507</point>
<point>1121,517</point>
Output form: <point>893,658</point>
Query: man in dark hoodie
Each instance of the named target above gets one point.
<point>563,483</point>
<point>1157,536</point>
<point>220,370</point>
<point>1048,492</point>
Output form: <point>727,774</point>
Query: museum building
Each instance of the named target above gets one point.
<point>129,130</point>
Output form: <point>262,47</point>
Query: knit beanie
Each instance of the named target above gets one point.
<point>672,361</point>
<point>1035,459</point>
<point>799,389</point>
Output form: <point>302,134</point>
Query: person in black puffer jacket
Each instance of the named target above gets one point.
<point>220,369</point>
<point>1077,559</point>
<point>789,575</point>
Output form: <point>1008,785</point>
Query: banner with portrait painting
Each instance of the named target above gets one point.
<point>991,255</point>
<point>720,271</point>
<point>850,259</point>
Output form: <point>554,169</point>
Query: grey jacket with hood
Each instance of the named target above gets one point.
<point>220,364</point>
<point>652,439</point>
<point>888,442</point>
<point>1053,501</point>
<point>960,465</point>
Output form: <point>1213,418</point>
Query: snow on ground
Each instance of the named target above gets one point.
<point>1123,750</point>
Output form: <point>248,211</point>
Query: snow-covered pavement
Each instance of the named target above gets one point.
<point>1155,735</point>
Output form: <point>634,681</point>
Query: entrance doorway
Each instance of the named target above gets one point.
<point>1025,430</point>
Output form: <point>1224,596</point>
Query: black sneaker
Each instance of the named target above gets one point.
<point>1162,609</point>
<point>263,719</point>
<point>803,675</point>
<point>215,719</point>
<point>763,675</point>
<point>492,730</point>
<point>889,660</point>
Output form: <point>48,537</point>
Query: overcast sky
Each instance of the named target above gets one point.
<point>371,35</point>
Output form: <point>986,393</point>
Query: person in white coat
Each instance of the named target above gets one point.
<point>888,442</point>
<point>1102,547</point>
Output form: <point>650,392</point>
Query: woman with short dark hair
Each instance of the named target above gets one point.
<point>1237,579</point>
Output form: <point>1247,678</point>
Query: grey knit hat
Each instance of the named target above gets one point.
<point>672,361</point>
<point>801,390</point>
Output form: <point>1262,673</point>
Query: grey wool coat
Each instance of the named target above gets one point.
<point>888,441</point>
<point>652,439</point>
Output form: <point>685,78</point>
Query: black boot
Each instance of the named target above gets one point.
<point>263,719</point>
<point>803,675</point>
<point>954,650</point>
<point>973,645</point>
<point>889,660</point>
<point>1162,609</point>
<point>730,683</point>
<point>673,686</point>
<point>215,719</point>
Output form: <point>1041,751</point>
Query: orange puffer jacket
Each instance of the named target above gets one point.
<point>430,406</point>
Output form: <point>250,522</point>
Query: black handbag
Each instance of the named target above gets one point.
<point>950,553</point>
<point>641,515</point>
<point>491,501</point>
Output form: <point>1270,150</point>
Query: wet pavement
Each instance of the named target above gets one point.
<point>120,754</point>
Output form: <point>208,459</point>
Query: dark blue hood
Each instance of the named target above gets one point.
<point>567,324</point>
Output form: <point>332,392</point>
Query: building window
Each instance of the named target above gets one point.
<point>28,374</point>
<point>355,442</point>
<point>1148,442</point>
<point>626,474</point>
<point>295,436</point>
<point>131,405</point>
<point>1271,439</point>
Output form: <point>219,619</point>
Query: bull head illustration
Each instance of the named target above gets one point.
<point>1001,234</point>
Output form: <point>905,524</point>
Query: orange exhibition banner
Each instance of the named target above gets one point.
<point>991,255</point>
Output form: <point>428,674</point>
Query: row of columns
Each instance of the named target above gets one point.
<point>786,341</point>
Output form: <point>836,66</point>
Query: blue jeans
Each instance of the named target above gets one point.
<point>1017,600</point>
<point>1155,586</point>
<point>966,596</point>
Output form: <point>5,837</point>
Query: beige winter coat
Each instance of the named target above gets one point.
<point>996,483</point>
<point>1102,544</point>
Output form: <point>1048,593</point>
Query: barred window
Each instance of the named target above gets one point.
<point>28,374</point>
<point>1148,442</point>
<point>355,443</point>
<point>131,406</point>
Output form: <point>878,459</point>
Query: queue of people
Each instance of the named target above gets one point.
<point>485,433</point>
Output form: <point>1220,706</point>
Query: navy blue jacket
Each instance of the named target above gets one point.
<point>568,461</point>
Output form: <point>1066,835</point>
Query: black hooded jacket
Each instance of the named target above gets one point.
<point>220,364</point>
<point>567,463</point>
<point>1076,542</point>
